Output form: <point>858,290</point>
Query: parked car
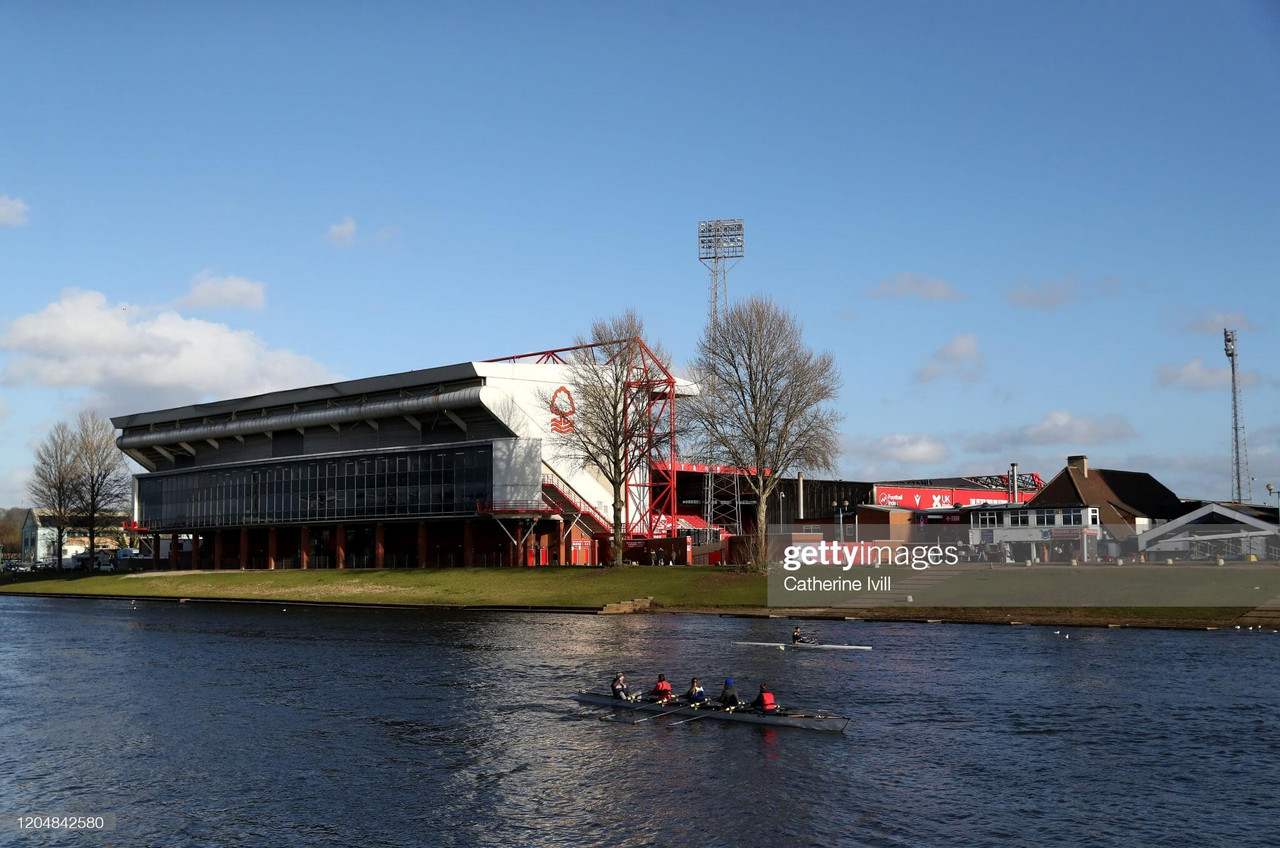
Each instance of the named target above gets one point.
<point>47,565</point>
<point>105,567</point>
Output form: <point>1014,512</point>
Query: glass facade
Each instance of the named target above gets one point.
<point>407,484</point>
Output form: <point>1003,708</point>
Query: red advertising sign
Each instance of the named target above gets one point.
<point>909,497</point>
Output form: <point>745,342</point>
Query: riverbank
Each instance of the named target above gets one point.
<point>673,590</point>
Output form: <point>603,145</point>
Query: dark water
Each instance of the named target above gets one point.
<point>210,725</point>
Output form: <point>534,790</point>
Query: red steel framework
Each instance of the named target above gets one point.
<point>649,503</point>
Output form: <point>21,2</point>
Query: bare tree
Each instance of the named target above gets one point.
<point>615,428</point>
<point>103,482</point>
<point>55,480</point>
<point>763,401</point>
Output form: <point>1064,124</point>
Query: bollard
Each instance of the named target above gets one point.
<point>1221,561</point>
<point>1168,562</point>
<point>1120,561</point>
<point>1028,563</point>
<point>1075,561</point>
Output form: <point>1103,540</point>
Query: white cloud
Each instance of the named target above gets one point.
<point>210,291</point>
<point>1216,322</point>
<point>903,448</point>
<point>915,285</point>
<point>1056,428</point>
<point>134,358</point>
<point>958,358</point>
<point>13,212</point>
<point>1047,296</point>
<point>342,234</point>
<point>1198,377</point>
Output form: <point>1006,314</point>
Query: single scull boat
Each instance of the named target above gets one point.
<point>806,645</point>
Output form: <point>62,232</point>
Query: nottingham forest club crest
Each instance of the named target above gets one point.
<point>562,410</point>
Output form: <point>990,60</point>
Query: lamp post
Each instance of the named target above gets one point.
<point>840,508</point>
<point>782,510</point>
<point>1272,490</point>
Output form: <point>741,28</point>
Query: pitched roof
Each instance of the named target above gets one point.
<point>1120,496</point>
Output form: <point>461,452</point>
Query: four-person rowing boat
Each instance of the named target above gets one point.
<point>676,707</point>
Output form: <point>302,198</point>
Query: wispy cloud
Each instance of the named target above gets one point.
<point>1197,377</point>
<point>917,286</point>
<point>958,358</point>
<point>1216,322</point>
<point>342,234</point>
<point>1057,428</point>
<point>13,212</point>
<point>1047,296</point>
<point>211,291</point>
<point>902,448</point>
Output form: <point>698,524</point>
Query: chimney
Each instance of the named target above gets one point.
<point>1079,463</point>
<point>800,496</point>
<point>1013,482</point>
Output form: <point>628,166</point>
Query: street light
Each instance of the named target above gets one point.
<point>1272,490</point>
<point>840,510</point>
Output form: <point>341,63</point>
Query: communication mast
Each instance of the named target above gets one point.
<point>1241,484</point>
<point>720,248</point>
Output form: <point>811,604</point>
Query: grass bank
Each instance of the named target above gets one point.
<point>562,587</point>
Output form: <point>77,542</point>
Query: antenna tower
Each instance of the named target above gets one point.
<point>1241,483</point>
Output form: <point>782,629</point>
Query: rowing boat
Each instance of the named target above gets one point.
<point>807,645</point>
<point>807,721</point>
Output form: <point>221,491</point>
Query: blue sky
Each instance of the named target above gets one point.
<point>1020,227</point>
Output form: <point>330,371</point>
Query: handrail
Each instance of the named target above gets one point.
<point>563,490</point>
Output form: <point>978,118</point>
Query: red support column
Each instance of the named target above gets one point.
<point>217,549</point>
<point>304,546</point>
<point>560,545</point>
<point>155,551</point>
<point>468,543</point>
<point>379,537</point>
<point>422,544</point>
<point>340,546</point>
<point>271,549</point>
<point>173,552</point>
<point>244,548</point>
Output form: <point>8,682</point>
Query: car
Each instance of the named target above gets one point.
<point>45,566</point>
<point>9,567</point>
<point>106,567</point>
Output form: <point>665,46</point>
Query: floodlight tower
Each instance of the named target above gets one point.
<point>1241,485</point>
<point>720,248</point>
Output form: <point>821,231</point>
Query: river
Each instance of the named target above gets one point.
<point>204,724</point>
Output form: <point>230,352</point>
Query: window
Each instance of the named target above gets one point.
<point>988,519</point>
<point>1071,517</point>
<point>1019,518</point>
<point>1044,517</point>
<point>409,484</point>
<point>1093,516</point>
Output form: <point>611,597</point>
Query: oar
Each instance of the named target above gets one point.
<point>710,710</point>
<point>660,715</point>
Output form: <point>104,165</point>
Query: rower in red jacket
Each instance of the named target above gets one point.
<point>662,691</point>
<point>764,702</point>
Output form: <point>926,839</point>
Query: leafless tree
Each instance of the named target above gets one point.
<point>103,482</point>
<point>764,401</point>
<point>614,426</point>
<point>55,480</point>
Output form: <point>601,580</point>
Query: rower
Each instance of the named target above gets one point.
<point>796,638</point>
<point>764,702</point>
<point>619,687</point>
<point>695,695</point>
<point>729,695</point>
<point>661,691</point>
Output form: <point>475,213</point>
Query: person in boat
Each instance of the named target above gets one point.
<point>798,638</point>
<point>619,688</point>
<point>696,694</point>
<point>729,695</point>
<point>764,702</point>
<point>661,691</point>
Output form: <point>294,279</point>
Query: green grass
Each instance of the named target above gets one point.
<point>1188,587</point>
<point>669,587</point>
